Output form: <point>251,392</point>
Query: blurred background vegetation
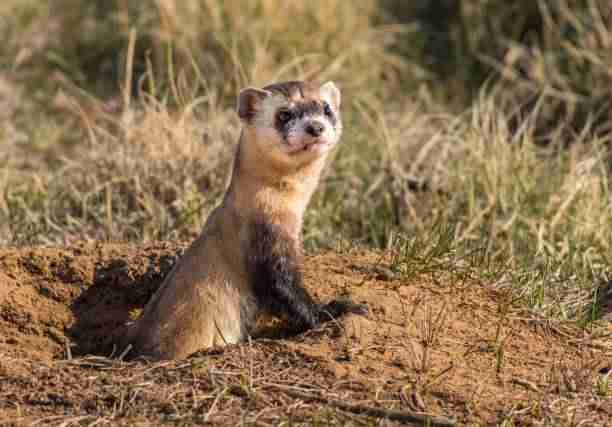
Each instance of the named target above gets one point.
<point>477,131</point>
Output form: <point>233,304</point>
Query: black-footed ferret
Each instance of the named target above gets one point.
<point>247,258</point>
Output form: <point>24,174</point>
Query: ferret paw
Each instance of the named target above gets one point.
<point>342,306</point>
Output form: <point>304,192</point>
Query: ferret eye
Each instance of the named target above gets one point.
<point>327,110</point>
<point>284,116</point>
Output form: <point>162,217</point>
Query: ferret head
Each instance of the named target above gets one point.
<point>294,122</point>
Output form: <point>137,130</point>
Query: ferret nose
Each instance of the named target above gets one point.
<point>315,129</point>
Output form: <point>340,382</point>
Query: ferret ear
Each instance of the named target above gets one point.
<point>331,94</point>
<point>249,102</point>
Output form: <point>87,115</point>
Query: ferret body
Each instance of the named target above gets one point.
<point>247,258</point>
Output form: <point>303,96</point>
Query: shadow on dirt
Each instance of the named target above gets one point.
<point>104,309</point>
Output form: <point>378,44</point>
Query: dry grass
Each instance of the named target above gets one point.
<point>100,147</point>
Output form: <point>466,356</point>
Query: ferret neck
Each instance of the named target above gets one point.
<point>280,196</point>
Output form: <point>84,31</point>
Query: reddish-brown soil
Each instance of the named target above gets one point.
<point>449,348</point>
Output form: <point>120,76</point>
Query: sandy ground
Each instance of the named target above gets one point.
<point>453,349</point>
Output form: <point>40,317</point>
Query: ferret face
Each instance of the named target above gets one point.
<point>293,122</point>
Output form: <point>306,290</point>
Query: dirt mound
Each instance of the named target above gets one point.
<point>456,349</point>
<point>81,297</point>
